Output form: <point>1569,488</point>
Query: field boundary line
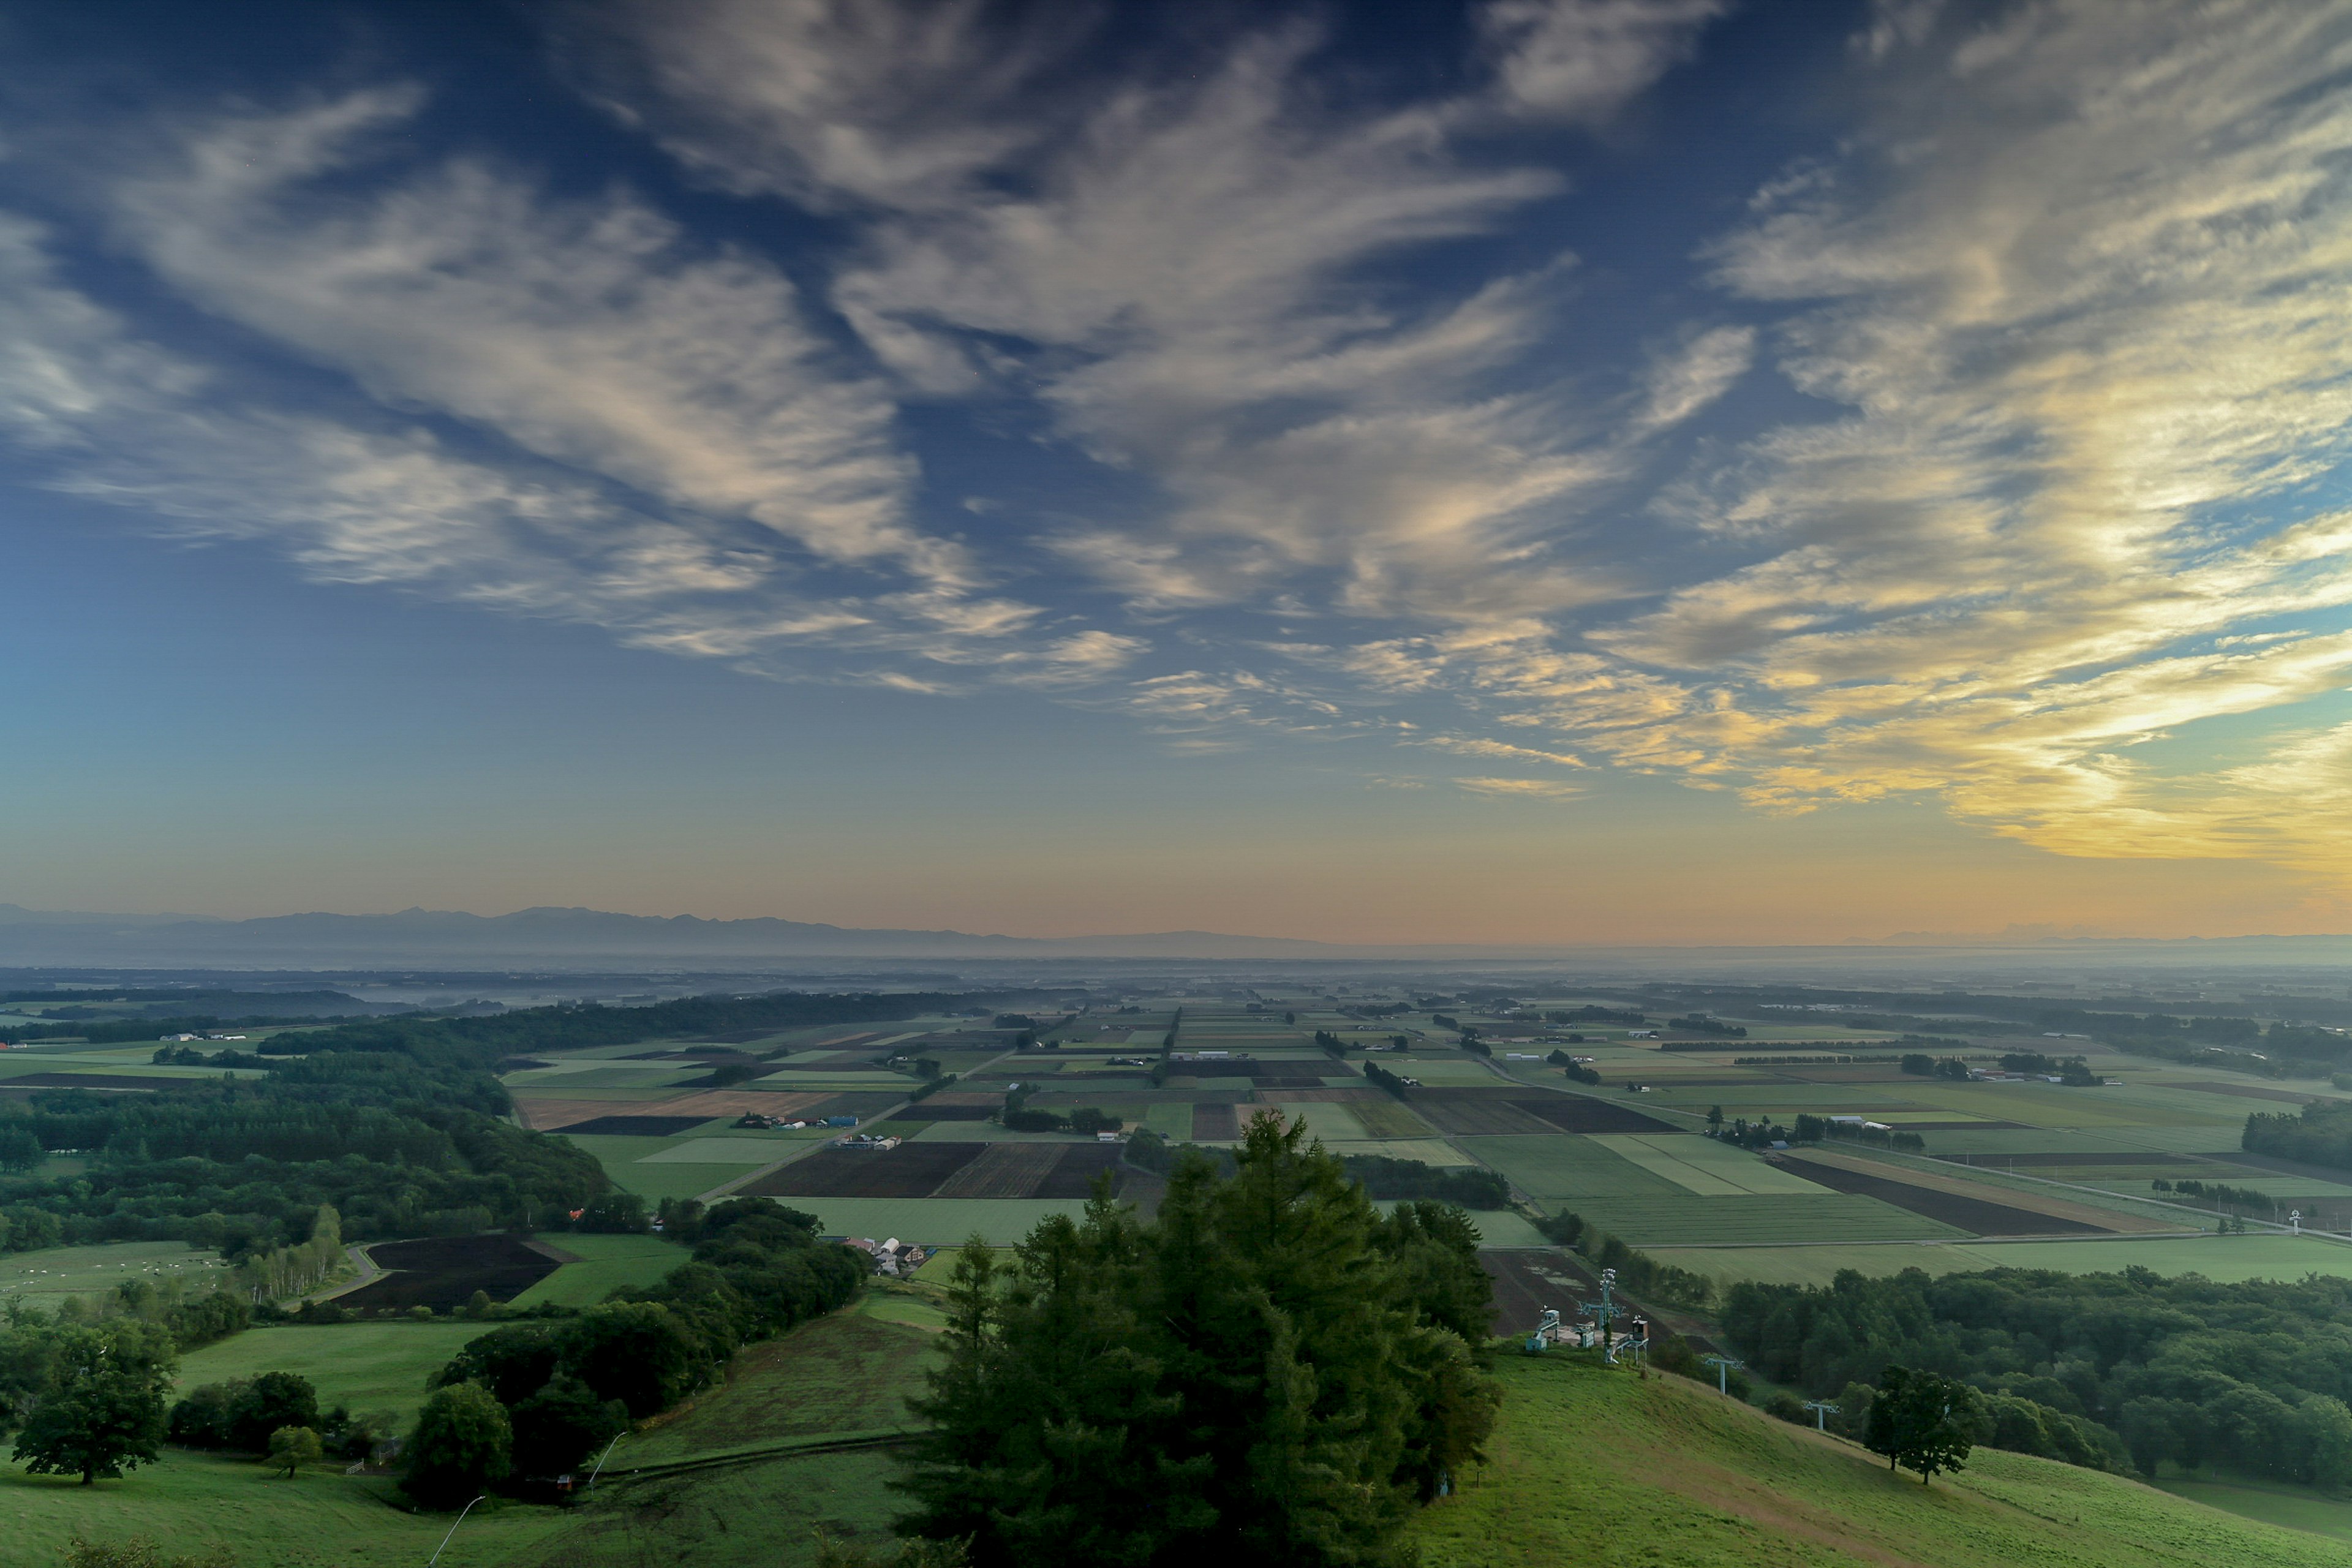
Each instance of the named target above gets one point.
<point>723,1188</point>
<point>803,1448</point>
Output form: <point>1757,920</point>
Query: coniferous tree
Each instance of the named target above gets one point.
<point>1269,1372</point>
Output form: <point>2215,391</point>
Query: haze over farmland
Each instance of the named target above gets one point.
<point>970,783</point>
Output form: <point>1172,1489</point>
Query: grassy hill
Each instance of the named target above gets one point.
<point>1591,1466</point>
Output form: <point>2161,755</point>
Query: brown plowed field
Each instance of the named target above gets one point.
<point>1575,1114</point>
<point>926,1110</point>
<point>1977,1215</point>
<point>909,1171</point>
<point>1479,1118</point>
<point>1073,1174</point>
<point>1213,1123</point>
<point>1330,1096</point>
<point>1002,1171</point>
<point>443,1272</point>
<point>549,1114</point>
<point>635,1126</point>
<point>1522,1289</point>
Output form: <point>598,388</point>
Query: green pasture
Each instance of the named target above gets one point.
<point>766,1513</point>
<point>846,1372</point>
<point>2296,1508</point>
<point>602,1075</point>
<point>1388,1119</point>
<point>364,1366</point>
<point>606,1263</point>
<point>1704,1165</point>
<point>2226,1258</point>
<point>191,1502</point>
<point>1566,1168</point>
<point>1331,1123</point>
<point>1760,1219</point>
<point>53,1272</point>
<point>626,1162</point>
<point>1590,1466</point>
<point>719,1151</point>
<point>838,1081</point>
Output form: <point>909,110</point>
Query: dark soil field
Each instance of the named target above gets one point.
<point>1005,1170</point>
<point>1073,1175</point>
<point>1575,1114</point>
<point>1214,1122</point>
<point>909,1171</point>
<point>636,1126</point>
<point>1522,1291</point>
<point>1968,1214</point>
<point>1478,1117</point>
<point>443,1272</point>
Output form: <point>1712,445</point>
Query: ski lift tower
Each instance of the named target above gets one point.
<point>1605,1311</point>
<point>2295,1221</point>
<point>1820,1408</point>
<point>1723,1365</point>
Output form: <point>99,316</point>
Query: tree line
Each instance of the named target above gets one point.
<point>398,1124</point>
<point>2114,1371</point>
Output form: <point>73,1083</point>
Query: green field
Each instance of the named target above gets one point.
<point>1763,1220</point>
<point>850,1372</point>
<point>193,1502</point>
<point>1567,1168</point>
<point>1705,1166</point>
<point>361,1367</point>
<point>2226,1258</point>
<point>2294,1507</point>
<point>1590,1466</point>
<point>607,1262</point>
<point>52,1271</point>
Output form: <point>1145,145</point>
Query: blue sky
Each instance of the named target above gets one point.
<point>1600,468</point>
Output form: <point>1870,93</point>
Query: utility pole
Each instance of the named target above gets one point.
<point>1603,1311</point>
<point>1723,1365</point>
<point>1821,1408</point>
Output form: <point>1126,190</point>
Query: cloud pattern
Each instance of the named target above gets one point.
<point>2063,310</point>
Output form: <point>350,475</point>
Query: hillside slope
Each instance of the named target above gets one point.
<point>1591,1466</point>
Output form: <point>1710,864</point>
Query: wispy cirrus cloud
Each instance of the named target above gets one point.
<point>2081,286</point>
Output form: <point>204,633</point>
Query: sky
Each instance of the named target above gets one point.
<point>1521,471</point>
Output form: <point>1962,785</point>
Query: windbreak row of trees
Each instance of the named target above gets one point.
<point>2255,1377</point>
<point>2322,1135</point>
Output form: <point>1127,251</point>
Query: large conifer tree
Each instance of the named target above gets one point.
<point>1269,1373</point>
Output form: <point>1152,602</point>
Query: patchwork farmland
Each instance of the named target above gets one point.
<point>2007,1168</point>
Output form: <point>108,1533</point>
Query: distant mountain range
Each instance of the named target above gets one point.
<point>597,939</point>
<point>31,938</point>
